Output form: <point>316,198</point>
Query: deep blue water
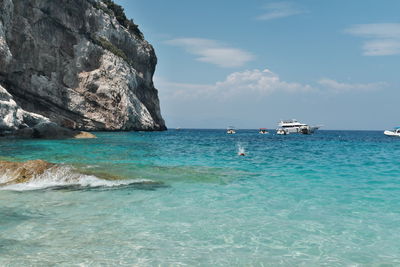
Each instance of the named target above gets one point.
<point>332,198</point>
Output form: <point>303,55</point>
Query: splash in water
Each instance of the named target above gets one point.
<point>241,150</point>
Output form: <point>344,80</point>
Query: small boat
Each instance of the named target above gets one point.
<point>395,132</point>
<point>230,130</point>
<point>263,131</point>
<point>282,131</point>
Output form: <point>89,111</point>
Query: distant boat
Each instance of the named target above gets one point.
<point>231,130</point>
<point>293,126</point>
<point>281,131</point>
<point>395,132</point>
<point>263,131</point>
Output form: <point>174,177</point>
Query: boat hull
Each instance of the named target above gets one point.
<point>392,134</point>
<point>302,130</point>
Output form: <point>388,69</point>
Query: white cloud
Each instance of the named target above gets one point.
<point>256,84</point>
<point>259,82</point>
<point>250,82</point>
<point>382,38</point>
<point>279,10</point>
<point>213,52</point>
<point>344,87</point>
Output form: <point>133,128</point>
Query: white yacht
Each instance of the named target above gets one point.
<point>293,126</point>
<point>395,132</point>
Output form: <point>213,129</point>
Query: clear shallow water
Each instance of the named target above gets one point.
<point>327,199</point>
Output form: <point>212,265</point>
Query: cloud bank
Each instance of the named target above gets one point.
<point>258,83</point>
<point>249,82</point>
<point>343,87</point>
<point>382,39</point>
<point>258,97</point>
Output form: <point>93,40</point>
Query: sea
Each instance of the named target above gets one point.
<point>188,198</point>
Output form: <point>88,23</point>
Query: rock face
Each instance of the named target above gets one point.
<point>17,122</point>
<point>13,117</point>
<point>76,63</point>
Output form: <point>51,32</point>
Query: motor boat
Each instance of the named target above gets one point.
<point>263,131</point>
<point>230,130</point>
<point>395,132</point>
<point>293,126</point>
<point>281,131</point>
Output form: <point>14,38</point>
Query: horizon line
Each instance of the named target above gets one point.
<point>189,128</point>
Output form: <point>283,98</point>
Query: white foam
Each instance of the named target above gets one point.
<point>60,176</point>
<point>241,149</point>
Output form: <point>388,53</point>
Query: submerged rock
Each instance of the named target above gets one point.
<point>78,63</point>
<point>40,174</point>
<point>84,135</point>
<point>21,172</point>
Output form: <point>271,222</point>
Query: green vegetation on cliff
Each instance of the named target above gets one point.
<point>119,13</point>
<point>103,42</point>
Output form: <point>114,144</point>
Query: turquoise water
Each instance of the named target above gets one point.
<point>332,198</point>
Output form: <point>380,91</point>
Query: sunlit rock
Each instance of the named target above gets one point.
<point>78,63</point>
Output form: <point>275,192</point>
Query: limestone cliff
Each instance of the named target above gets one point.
<point>78,63</point>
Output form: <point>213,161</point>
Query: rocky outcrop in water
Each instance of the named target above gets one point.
<point>21,172</point>
<point>78,63</point>
<point>40,174</point>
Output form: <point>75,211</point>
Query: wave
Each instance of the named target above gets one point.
<point>60,176</point>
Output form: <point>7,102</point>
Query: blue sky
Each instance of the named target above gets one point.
<point>252,63</point>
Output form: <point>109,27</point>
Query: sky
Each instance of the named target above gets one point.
<point>252,63</point>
